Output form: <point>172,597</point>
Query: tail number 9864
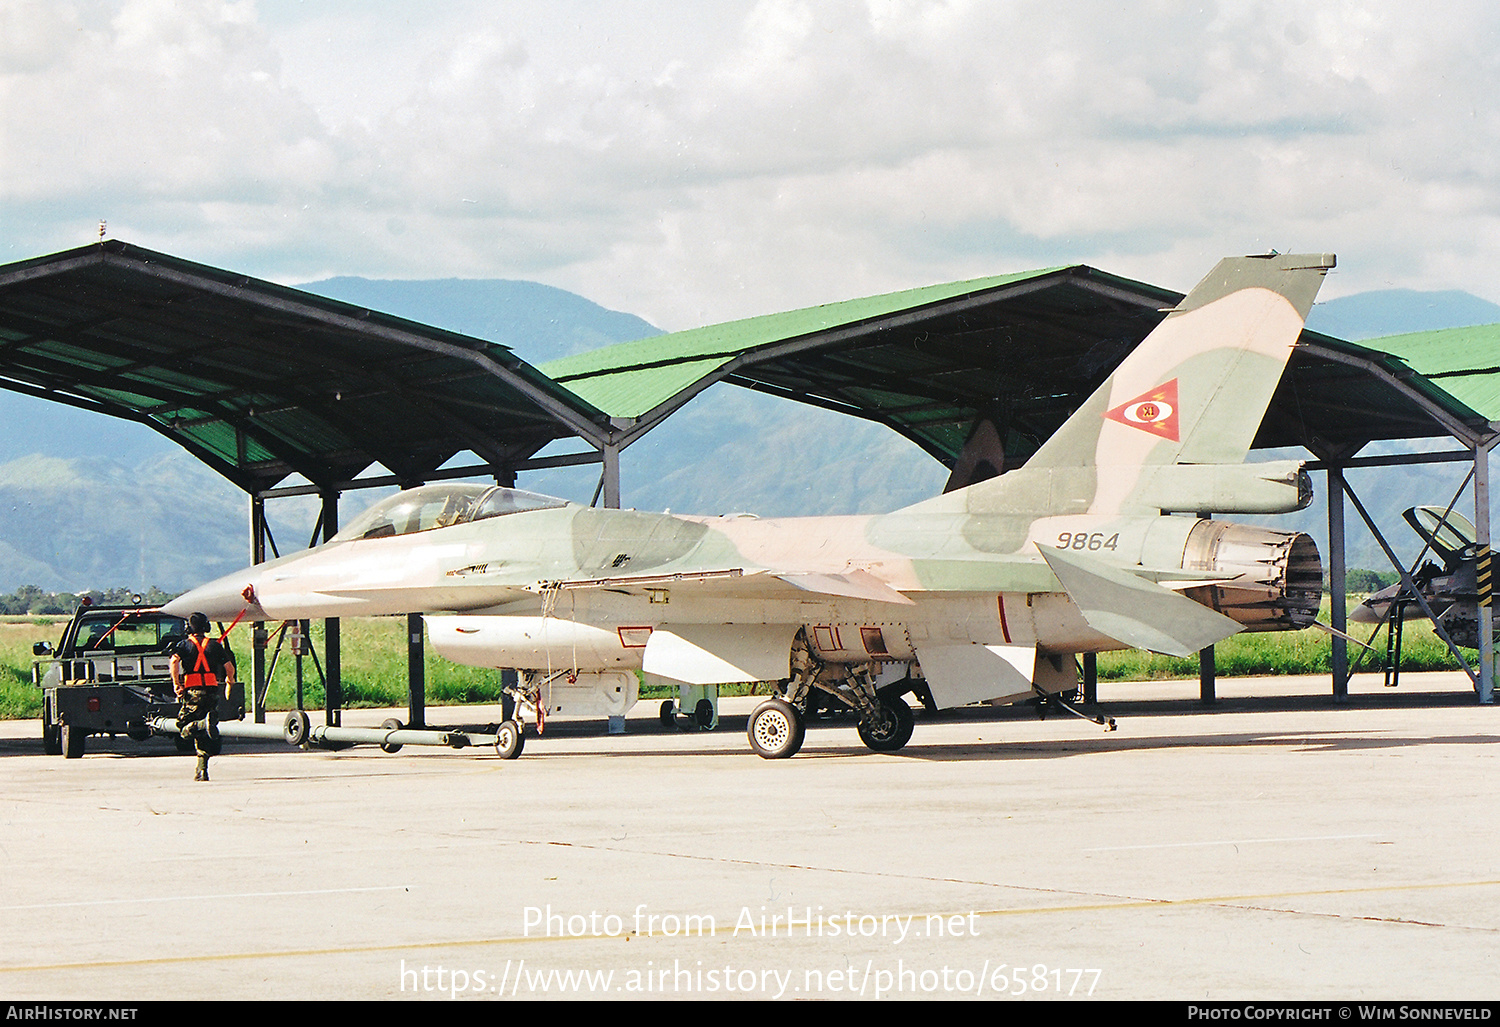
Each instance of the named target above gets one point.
<point>1087,540</point>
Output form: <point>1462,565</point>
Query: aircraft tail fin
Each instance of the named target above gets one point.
<point>1193,392</point>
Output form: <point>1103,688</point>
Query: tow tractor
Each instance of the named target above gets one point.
<point>110,674</point>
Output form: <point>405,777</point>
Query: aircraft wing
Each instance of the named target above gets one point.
<point>986,574</point>
<point>854,584</point>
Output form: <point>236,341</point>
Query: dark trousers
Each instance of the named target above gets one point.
<point>198,703</point>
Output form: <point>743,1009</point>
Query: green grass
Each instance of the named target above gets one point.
<point>19,698</point>
<point>373,670</point>
<point>374,664</point>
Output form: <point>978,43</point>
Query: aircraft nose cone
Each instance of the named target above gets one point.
<point>223,599</point>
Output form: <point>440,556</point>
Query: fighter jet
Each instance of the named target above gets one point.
<point>985,593</point>
<point>1451,590</point>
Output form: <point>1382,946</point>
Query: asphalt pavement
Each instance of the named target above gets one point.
<point>1277,846</point>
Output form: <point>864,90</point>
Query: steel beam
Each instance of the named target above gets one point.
<point>1394,460</point>
<point>1411,586</point>
<point>416,673</point>
<point>258,628</point>
<point>609,478</point>
<point>333,690</point>
<point>1337,588</point>
<point>1486,683</point>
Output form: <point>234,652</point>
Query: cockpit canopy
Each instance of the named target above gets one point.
<point>438,506</point>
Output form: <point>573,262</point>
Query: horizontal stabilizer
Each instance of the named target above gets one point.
<point>1136,612</point>
<point>716,654</point>
<point>852,584</point>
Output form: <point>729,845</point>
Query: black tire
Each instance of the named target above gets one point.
<point>51,739</point>
<point>703,714</point>
<point>668,713</point>
<point>296,729</point>
<point>892,729</point>
<point>776,730</point>
<point>72,741</point>
<point>390,724</point>
<point>184,745</point>
<point>509,740</point>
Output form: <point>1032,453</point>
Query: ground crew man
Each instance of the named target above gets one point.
<point>202,671</point>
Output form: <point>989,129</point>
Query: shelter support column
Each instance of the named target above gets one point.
<point>333,691</point>
<point>1337,589</point>
<point>1486,684</point>
<point>611,475</point>
<point>1207,669</point>
<point>258,628</point>
<point>416,673</point>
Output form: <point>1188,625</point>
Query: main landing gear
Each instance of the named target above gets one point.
<point>776,729</point>
<point>778,726</point>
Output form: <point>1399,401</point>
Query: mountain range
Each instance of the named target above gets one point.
<point>87,501</point>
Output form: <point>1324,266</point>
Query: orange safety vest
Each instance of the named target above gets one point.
<point>201,676</point>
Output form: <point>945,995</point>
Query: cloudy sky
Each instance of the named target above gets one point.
<point>694,161</point>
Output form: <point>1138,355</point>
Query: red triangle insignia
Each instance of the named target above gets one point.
<point>1154,411</point>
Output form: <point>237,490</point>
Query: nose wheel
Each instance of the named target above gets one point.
<point>509,740</point>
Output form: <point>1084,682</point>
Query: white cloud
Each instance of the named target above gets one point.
<point>701,161</point>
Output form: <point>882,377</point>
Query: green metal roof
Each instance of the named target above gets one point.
<point>1464,362</point>
<point>1022,349</point>
<point>630,378</point>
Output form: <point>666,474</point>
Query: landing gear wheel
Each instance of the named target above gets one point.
<point>668,713</point>
<point>891,730</point>
<point>390,724</point>
<point>776,730</point>
<point>296,729</point>
<point>703,714</point>
<point>509,741</point>
<point>184,745</point>
<point>72,741</point>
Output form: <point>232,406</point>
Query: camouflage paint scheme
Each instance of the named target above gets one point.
<point>976,593</point>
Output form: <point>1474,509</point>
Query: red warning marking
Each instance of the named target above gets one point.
<point>1154,411</point>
